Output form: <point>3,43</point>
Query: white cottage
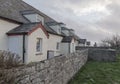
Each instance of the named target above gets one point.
<point>68,45</point>
<point>70,40</point>
<point>32,34</point>
<point>23,31</point>
<point>55,38</point>
<point>29,41</point>
<point>5,26</point>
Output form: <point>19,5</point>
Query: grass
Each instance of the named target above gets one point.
<point>98,73</point>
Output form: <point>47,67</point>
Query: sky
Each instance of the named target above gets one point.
<point>91,19</point>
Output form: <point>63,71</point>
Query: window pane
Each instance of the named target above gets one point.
<point>39,45</point>
<point>58,46</point>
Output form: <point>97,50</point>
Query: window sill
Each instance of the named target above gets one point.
<point>39,53</point>
<point>58,51</point>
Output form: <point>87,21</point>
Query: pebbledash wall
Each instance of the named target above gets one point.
<point>58,70</point>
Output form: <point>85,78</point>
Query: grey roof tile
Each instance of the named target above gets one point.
<point>67,39</point>
<point>23,29</point>
<point>13,9</point>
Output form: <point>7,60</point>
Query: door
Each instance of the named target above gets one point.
<point>50,54</point>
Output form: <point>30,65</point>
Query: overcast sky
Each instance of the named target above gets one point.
<point>91,19</point>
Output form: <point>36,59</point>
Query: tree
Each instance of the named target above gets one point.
<point>113,42</point>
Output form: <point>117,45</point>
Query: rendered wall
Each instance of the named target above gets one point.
<point>5,26</point>
<point>15,45</point>
<point>31,54</point>
<point>52,43</point>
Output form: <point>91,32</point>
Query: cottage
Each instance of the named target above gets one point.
<point>29,41</point>
<point>23,31</point>
<point>70,40</point>
<point>55,38</point>
<point>32,34</point>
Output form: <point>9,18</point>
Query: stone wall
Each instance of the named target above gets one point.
<point>107,55</point>
<point>58,70</point>
<point>90,47</point>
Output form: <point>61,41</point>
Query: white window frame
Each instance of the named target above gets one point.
<point>39,45</point>
<point>58,46</point>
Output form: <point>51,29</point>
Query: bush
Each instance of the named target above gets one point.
<point>9,60</point>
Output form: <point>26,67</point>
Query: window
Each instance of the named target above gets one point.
<point>34,17</point>
<point>58,46</point>
<point>39,45</point>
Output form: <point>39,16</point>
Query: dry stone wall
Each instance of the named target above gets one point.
<point>58,70</point>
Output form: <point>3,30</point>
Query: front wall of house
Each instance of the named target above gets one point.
<point>15,45</point>
<point>65,48</point>
<point>5,26</point>
<point>52,43</point>
<point>31,53</point>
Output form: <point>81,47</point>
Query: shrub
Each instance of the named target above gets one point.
<point>9,60</point>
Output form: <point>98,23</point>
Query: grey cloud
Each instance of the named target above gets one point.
<point>112,22</point>
<point>93,26</point>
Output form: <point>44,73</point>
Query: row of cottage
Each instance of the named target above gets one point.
<point>31,34</point>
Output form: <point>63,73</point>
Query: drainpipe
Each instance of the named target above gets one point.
<point>24,48</point>
<point>69,47</point>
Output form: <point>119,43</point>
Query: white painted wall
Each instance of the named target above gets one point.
<point>5,26</point>
<point>15,44</point>
<point>65,48</point>
<point>32,54</point>
<point>52,43</point>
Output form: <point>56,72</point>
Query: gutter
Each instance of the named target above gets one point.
<point>11,20</point>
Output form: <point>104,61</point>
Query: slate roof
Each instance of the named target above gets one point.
<point>64,28</point>
<point>50,30</point>
<point>71,33</point>
<point>52,23</point>
<point>23,29</point>
<point>75,36</point>
<point>67,39</point>
<point>14,10</point>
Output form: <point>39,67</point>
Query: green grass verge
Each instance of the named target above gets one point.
<point>98,73</point>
